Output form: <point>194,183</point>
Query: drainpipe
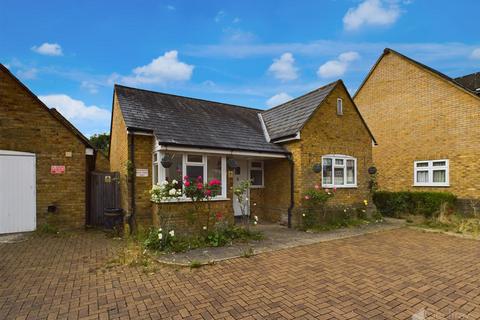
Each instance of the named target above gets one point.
<point>292,190</point>
<point>131,218</point>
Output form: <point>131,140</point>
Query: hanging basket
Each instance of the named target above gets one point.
<point>317,168</point>
<point>232,164</point>
<point>166,161</point>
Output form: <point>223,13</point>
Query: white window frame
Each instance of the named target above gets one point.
<point>339,106</point>
<point>155,167</point>
<point>430,168</point>
<point>162,174</point>
<point>262,169</point>
<point>344,166</point>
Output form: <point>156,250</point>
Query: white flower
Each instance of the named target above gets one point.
<point>160,236</point>
<point>255,222</point>
<point>204,227</point>
<point>256,218</point>
<point>179,192</point>
<point>159,229</point>
<point>246,199</point>
<point>303,214</point>
<point>172,233</point>
<point>172,192</point>
<point>344,210</point>
<point>174,181</point>
<point>254,204</point>
<point>363,210</point>
<point>165,183</point>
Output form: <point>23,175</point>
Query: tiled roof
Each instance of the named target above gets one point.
<point>470,81</point>
<point>177,120</point>
<point>287,119</point>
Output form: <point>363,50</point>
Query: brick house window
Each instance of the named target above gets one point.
<point>431,173</point>
<point>192,165</point>
<point>339,106</point>
<point>339,171</point>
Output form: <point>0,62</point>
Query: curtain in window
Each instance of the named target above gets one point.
<point>439,176</point>
<point>350,171</point>
<point>174,172</point>
<point>214,168</point>
<point>327,171</point>
<point>422,176</point>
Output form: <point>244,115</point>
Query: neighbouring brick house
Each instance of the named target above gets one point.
<point>44,161</point>
<point>426,125</point>
<point>322,128</point>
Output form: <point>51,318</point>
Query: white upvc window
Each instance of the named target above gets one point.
<point>339,171</point>
<point>431,173</point>
<point>339,106</point>
<point>194,165</point>
<point>155,168</point>
<point>256,174</point>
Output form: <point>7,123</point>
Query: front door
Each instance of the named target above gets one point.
<point>240,174</point>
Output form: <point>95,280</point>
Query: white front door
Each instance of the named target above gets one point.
<point>240,174</point>
<point>17,192</point>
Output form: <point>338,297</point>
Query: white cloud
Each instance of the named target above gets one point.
<point>372,12</point>
<point>219,16</point>
<point>283,68</point>
<point>171,8</point>
<point>48,49</point>
<point>238,36</point>
<point>161,70</point>
<point>475,53</point>
<point>337,67</point>
<point>73,109</point>
<point>89,86</point>
<point>279,98</point>
<point>27,74</point>
<point>236,20</point>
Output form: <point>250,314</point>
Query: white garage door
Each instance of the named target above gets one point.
<point>17,192</point>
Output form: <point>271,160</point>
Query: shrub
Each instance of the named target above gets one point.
<point>428,204</point>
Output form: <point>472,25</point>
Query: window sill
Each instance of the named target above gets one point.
<point>432,185</point>
<point>184,200</point>
<point>257,187</point>
<point>339,187</point>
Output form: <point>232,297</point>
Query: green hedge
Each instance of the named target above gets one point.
<point>428,204</point>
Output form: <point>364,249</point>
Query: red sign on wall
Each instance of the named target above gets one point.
<point>57,169</point>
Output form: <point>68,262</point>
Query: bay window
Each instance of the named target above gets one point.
<point>194,165</point>
<point>431,173</point>
<point>339,171</point>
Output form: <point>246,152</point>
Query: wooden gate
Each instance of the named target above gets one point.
<point>105,193</point>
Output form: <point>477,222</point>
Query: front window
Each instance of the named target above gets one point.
<point>256,173</point>
<point>339,171</point>
<point>431,173</point>
<point>192,165</point>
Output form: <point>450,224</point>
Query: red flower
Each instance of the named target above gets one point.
<point>199,178</point>
<point>199,186</point>
<point>334,189</point>
<point>218,216</point>
<point>187,183</point>
<point>208,193</point>
<point>185,178</point>
<point>214,182</point>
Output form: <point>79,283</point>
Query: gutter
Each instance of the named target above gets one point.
<point>292,191</point>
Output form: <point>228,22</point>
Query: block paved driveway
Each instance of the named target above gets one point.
<point>387,275</point>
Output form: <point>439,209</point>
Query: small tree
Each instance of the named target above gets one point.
<point>241,191</point>
<point>101,141</point>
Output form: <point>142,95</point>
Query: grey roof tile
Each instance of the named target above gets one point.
<point>176,120</point>
<point>288,118</point>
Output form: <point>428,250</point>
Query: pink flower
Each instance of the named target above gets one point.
<point>199,186</point>
<point>199,178</point>
<point>208,193</point>
<point>307,197</point>
<point>317,186</point>
<point>187,183</point>
<point>334,189</point>
<point>327,190</point>
<point>185,178</point>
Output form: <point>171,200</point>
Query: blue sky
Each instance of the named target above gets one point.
<point>253,53</point>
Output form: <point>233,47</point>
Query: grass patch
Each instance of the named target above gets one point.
<point>347,223</point>
<point>452,223</point>
<point>195,264</point>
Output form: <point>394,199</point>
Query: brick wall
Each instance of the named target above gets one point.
<point>328,133</point>
<point>25,125</point>
<point>119,152</point>
<point>416,115</point>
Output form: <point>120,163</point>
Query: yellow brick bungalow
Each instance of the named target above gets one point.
<point>426,125</point>
<point>276,149</point>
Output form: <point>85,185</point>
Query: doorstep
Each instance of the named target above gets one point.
<point>277,237</point>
